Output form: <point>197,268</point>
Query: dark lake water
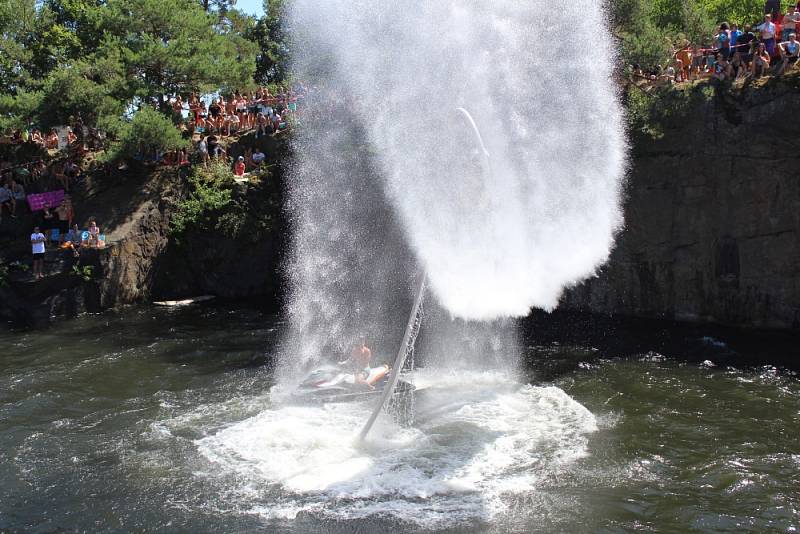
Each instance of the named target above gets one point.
<point>167,420</point>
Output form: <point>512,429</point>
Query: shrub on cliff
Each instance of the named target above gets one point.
<point>649,113</point>
<point>149,132</point>
<point>210,192</point>
<point>216,206</point>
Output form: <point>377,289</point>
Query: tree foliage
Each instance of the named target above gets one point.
<point>172,47</point>
<point>97,59</point>
<point>270,33</point>
<point>211,190</point>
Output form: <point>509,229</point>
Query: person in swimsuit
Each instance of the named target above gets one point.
<point>359,361</point>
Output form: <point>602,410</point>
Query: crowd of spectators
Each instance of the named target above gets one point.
<point>208,120</point>
<point>769,46</point>
<point>40,191</point>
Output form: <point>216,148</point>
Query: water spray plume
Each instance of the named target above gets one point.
<point>436,88</point>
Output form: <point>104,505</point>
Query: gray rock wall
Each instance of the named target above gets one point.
<point>712,218</point>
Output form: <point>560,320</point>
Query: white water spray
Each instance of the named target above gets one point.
<point>536,80</point>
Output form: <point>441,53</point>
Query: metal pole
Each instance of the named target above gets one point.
<point>399,360</point>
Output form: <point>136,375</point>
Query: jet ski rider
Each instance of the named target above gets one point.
<point>359,361</point>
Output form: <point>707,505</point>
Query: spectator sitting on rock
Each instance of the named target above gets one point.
<point>183,158</point>
<point>275,120</point>
<point>238,169</point>
<point>760,61</point>
<point>17,191</point>
<point>233,123</point>
<point>258,157</point>
<point>94,234</point>
<point>72,241</point>
<point>51,142</point>
<point>739,67</point>
<point>36,137</point>
<point>768,29</point>
<point>7,201</point>
<point>790,53</point>
<point>669,75</point>
<point>723,70</point>
<point>74,235</point>
<point>213,146</point>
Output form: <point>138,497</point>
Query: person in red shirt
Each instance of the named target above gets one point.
<point>238,169</point>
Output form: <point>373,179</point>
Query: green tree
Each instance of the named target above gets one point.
<point>81,21</point>
<point>18,110</point>
<point>18,27</point>
<point>270,34</point>
<point>91,90</point>
<point>739,11</point>
<point>173,47</point>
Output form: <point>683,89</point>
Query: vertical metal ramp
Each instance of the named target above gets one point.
<point>406,348</point>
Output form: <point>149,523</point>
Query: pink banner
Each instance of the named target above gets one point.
<point>51,199</point>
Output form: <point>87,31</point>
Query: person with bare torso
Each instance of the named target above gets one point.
<point>359,361</point>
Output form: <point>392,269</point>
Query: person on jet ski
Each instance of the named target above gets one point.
<point>359,360</point>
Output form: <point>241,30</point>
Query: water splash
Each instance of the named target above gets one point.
<point>481,440</point>
<point>535,78</point>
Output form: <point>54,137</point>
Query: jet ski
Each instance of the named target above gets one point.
<point>331,383</point>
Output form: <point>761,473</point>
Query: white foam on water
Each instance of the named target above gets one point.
<point>479,438</point>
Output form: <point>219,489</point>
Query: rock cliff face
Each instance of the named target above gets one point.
<point>133,209</point>
<point>143,262</point>
<point>712,231</point>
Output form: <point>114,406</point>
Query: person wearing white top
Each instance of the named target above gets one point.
<point>37,247</point>
<point>767,30</point>
<point>258,157</point>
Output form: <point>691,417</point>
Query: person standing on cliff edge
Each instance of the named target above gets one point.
<point>768,29</point>
<point>37,248</point>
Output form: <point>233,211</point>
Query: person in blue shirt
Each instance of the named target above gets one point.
<point>735,34</point>
<point>723,40</point>
<point>790,52</point>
